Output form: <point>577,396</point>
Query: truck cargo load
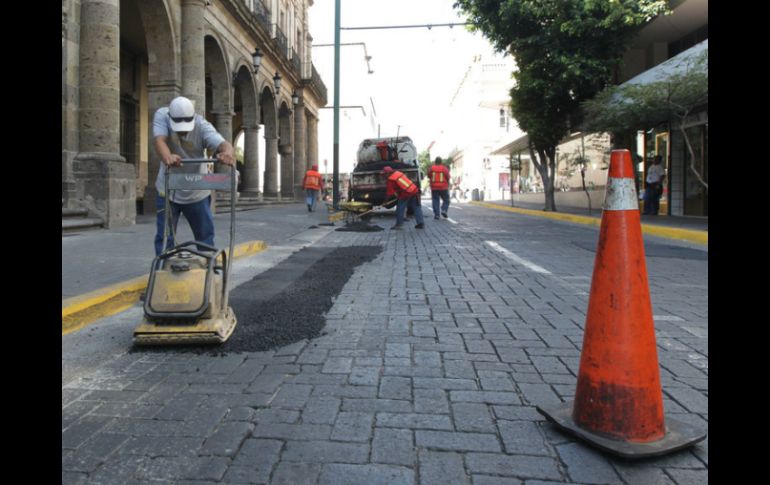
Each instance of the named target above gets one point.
<point>367,184</point>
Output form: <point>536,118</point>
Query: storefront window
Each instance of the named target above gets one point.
<point>695,194</point>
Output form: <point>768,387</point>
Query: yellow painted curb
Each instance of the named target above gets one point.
<point>82,310</point>
<point>700,237</point>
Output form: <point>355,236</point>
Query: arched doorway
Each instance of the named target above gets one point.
<point>246,125</point>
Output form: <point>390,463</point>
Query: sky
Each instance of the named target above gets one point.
<point>416,70</point>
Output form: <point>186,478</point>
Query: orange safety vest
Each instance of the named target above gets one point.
<point>439,177</point>
<point>312,180</point>
<point>404,187</point>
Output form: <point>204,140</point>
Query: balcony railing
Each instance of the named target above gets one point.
<point>262,13</point>
<point>281,41</point>
<point>315,80</point>
<point>296,63</point>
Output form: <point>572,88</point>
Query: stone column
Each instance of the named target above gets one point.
<point>159,95</point>
<point>271,166</point>
<point>105,184</point>
<point>287,172</point>
<point>300,155</point>
<point>223,122</point>
<point>193,69</point>
<point>312,141</point>
<point>251,161</point>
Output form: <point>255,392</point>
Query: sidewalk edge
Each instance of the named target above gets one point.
<point>80,311</point>
<point>699,237</point>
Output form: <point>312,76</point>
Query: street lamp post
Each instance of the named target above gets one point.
<point>336,150</point>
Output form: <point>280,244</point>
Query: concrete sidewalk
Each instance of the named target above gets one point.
<point>692,229</point>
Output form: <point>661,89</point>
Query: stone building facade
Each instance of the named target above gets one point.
<point>124,59</point>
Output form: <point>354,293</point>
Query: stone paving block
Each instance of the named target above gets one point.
<point>119,471</point>
<point>206,468</point>
<point>256,458</point>
<point>487,397</point>
<point>377,405</point>
<point>180,407</point>
<point>442,467</point>
<point>227,439</point>
<point>692,400</point>
<point>325,452</point>
<point>585,465</point>
<point>538,394</point>
<point>92,453</point>
<point>441,383</point>
<point>156,446</point>
<point>337,365</point>
<point>431,401</point>
<point>413,371</point>
<point>457,441</point>
<point>77,410</point>
<point>457,369</point>
<point>291,473</point>
<point>472,417</point>
<point>321,410</point>
<point>360,392</point>
<point>81,430</point>
<point>523,437</point>
<point>518,466</point>
<point>73,478</point>
<point>374,474</point>
<point>633,473</point>
<point>292,396</point>
<point>392,387</point>
<point>242,413</point>
<point>489,480</point>
<point>688,477</point>
<point>393,446</point>
<point>353,426</point>
<point>293,431</point>
<point>413,421</point>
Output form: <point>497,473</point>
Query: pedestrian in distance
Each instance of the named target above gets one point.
<point>179,133</point>
<point>654,187</point>
<point>313,185</point>
<point>407,195</point>
<point>438,174</point>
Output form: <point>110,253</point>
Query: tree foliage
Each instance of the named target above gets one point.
<point>641,106</point>
<point>566,51</point>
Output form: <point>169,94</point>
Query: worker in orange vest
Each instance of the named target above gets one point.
<point>407,194</point>
<point>438,174</point>
<point>313,185</point>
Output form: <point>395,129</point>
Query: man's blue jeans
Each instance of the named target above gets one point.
<point>198,215</point>
<point>444,195</point>
<point>310,197</point>
<point>414,204</point>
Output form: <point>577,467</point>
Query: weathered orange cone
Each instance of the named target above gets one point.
<point>618,404</point>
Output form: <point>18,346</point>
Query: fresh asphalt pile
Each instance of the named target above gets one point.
<point>286,303</point>
<point>360,226</point>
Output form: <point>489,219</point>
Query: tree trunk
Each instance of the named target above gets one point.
<point>546,166</point>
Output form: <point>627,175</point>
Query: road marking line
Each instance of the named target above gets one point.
<point>451,220</point>
<point>517,259</point>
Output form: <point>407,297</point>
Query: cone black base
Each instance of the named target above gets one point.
<point>678,436</point>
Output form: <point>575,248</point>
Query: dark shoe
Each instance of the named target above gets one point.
<point>444,214</point>
<point>309,209</point>
<point>420,226</point>
<point>437,218</point>
<point>398,227</point>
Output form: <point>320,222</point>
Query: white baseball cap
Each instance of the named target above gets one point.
<point>182,114</point>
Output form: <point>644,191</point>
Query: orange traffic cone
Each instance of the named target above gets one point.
<point>618,404</point>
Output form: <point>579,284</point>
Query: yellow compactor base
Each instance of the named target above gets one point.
<point>205,331</point>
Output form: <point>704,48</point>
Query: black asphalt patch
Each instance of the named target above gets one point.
<point>286,303</point>
<point>655,250</point>
<point>360,226</point>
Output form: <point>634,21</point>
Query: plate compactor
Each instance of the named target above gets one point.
<point>187,294</point>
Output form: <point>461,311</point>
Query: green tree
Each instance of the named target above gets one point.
<point>674,97</point>
<point>566,51</point>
